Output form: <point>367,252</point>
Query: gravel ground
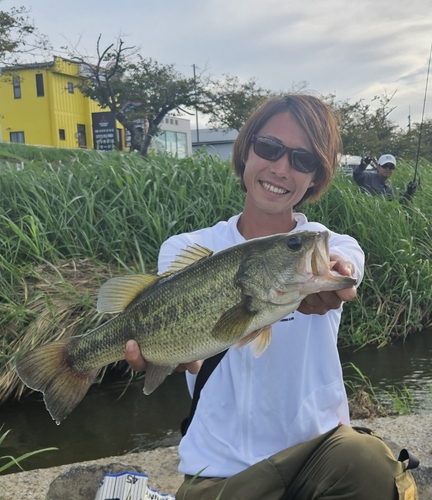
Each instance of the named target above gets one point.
<point>413,432</point>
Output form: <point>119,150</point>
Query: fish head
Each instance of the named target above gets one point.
<point>285,268</point>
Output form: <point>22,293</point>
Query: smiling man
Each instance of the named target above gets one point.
<point>277,426</point>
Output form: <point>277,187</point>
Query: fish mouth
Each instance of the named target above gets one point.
<point>323,275</point>
<point>320,264</point>
<point>272,188</point>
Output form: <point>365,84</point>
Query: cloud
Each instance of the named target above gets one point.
<point>353,49</point>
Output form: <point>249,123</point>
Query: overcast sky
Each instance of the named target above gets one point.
<point>355,49</point>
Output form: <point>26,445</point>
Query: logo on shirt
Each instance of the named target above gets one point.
<point>290,318</point>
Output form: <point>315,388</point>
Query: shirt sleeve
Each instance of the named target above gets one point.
<point>348,247</point>
<point>359,174</point>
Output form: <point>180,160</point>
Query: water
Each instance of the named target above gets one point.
<point>103,425</point>
<point>391,368</point>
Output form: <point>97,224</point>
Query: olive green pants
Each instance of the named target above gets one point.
<point>342,464</point>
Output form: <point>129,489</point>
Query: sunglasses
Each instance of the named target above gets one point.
<point>269,149</point>
<point>388,166</point>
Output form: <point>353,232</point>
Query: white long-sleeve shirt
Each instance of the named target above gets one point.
<point>251,408</point>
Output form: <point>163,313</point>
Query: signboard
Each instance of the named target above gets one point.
<point>104,131</point>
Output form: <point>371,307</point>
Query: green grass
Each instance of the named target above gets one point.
<point>402,400</point>
<point>395,298</point>
<point>70,219</point>
<point>367,402</point>
<point>117,207</point>
<point>6,462</point>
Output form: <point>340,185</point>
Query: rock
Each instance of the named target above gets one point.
<point>81,482</point>
<point>423,476</point>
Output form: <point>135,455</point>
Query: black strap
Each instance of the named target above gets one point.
<point>413,462</point>
<point>205,371</point>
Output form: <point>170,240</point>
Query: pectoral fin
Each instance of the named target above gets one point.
<point>233,323</point>
<point>155,375</point>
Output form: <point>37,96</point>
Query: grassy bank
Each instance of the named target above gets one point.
<point>69,220</point>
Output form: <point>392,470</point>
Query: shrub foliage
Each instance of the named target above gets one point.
<point>71,219</point>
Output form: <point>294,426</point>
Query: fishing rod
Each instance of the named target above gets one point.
<point>421,123</point>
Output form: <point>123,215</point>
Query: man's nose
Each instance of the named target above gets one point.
<point>282,166</point>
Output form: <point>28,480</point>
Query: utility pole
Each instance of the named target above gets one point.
<point>196,108</point>
<point>409,118</point>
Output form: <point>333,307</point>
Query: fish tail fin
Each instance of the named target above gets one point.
<point>47,369</point>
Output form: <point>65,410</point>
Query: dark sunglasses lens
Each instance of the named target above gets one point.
<point>388,167</point>
<point>303,161</point>
<point>269,150</point>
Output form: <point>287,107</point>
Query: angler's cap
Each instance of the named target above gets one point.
<point>387,159</point>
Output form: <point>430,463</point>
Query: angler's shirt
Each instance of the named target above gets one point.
<point>251,408</point>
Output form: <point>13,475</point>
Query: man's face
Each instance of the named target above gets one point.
<point>386,171</point>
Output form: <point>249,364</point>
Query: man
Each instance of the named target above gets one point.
<point>376,182</point>
<point>277,427</point>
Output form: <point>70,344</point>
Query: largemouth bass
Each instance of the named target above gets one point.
<point>205,303</point>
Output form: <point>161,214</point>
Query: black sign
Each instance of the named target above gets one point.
<point>104,131</point>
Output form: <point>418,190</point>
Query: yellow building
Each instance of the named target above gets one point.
<point>41,104</point>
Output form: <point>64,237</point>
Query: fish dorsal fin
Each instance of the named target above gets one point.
<point>187,257</point>
<point>259,340</point>
<point>117,293</point>
<point>155,375</point>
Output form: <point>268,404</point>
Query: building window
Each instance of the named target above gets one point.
<point>39,85</point>
<point>17,137</point>
<point>119,139</point>
<point>70,87</point>
<point>174,143</point>
<point>81,136</point>
<point>176,122</point>
<point>17,87</point>
<point>181,144</point>
<point>62,134</point>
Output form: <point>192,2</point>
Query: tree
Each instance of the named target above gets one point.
<point>137,90</point>
<point>365,129</point>
<point>229,103</point>
<point>408,145</point>
<point>19,37</point>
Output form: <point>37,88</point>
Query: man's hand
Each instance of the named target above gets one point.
<point>411,188</point>
<point>136,361</point>
<point>320,303</point>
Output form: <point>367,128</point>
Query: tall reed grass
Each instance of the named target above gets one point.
<point>115,207</point>
<point>68,220</point>
<point>395,298</point>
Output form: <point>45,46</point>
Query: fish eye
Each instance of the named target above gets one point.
<point>294,243</point>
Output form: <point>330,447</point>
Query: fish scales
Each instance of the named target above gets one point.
<point>204,304</point>
<point>169,321</point>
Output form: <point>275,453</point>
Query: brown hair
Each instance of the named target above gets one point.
<point>316,118</point>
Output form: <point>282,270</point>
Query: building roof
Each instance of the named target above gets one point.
<point>44,64</point>
<point>28,66</point>
<point>213,137</point>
